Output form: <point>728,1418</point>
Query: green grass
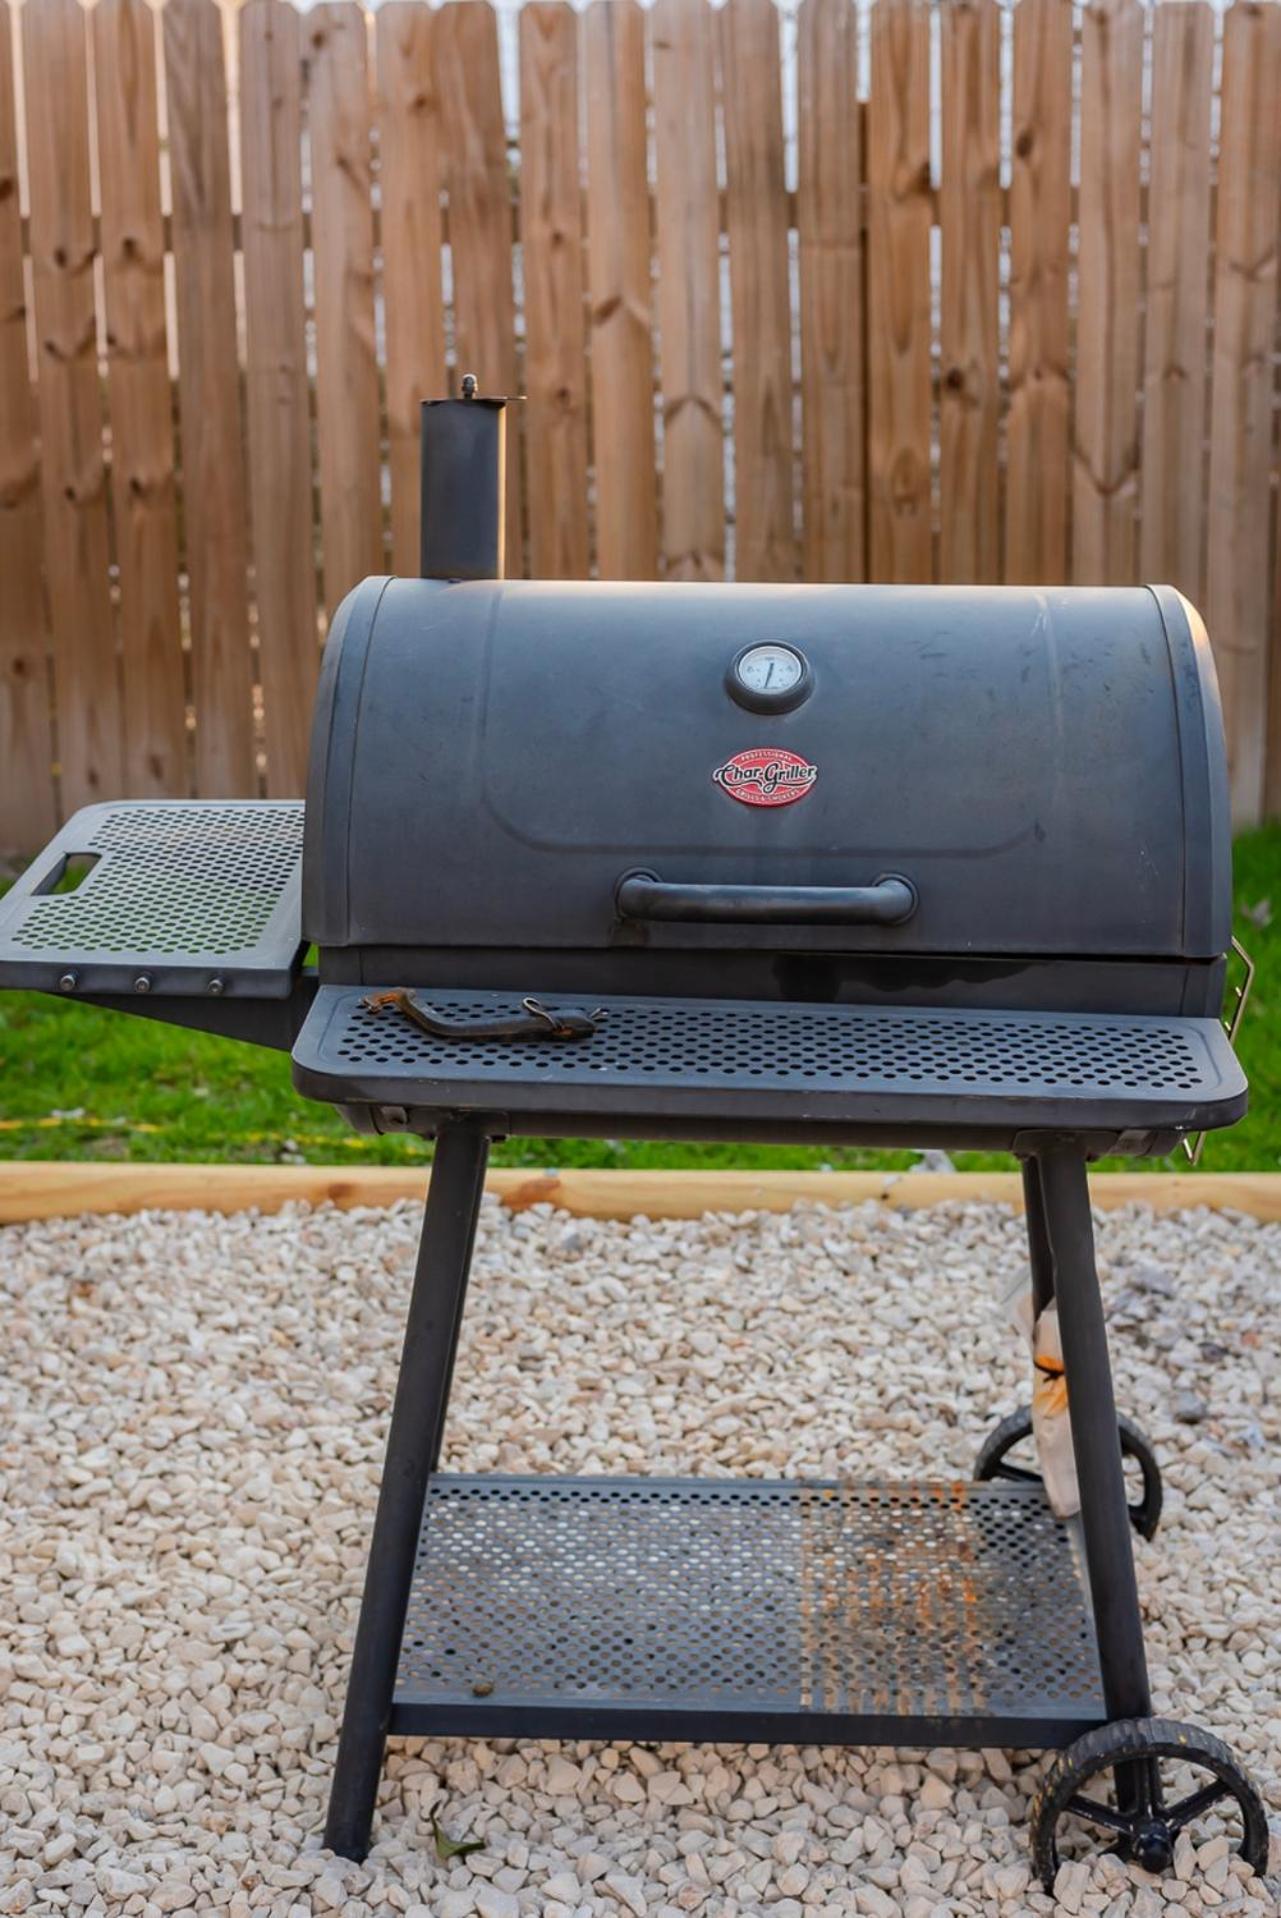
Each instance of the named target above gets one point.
<point>78,1083</point>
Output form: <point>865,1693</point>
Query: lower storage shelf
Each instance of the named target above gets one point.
<point>713,1609</point>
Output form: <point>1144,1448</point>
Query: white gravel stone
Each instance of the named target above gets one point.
<point>493,1903</point>
<point>1071,1886</point>
<point>628,1891</point>
<point>194,1410</point>
<point>114,1882</point>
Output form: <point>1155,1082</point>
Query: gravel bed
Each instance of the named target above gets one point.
<point>192,1416</point>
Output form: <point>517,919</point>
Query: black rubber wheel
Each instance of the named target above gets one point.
<point>1146,1833</point>
<point>993,1462</point>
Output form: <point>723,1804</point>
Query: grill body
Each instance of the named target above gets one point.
<point>1008,802</point>
<point>492,762</point>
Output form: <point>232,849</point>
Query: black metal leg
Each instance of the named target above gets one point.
<point>413,1445</point>
<point>1038,1239</point>
<point>1105,1521</point>
<point>433,1457</point>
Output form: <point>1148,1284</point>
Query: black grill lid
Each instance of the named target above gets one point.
<point>1045,767</point>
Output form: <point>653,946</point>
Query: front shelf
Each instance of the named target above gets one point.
<point>711,1068</point>
<point>911,1614</point>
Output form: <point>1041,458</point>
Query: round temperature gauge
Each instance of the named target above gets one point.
<point>769,678</point>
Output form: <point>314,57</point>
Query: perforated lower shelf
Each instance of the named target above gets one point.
<point>869,1067</point>
<point>183,892</point>
<point>653,1608</point>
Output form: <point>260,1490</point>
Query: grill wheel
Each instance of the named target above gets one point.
<point>1139,1817</point>
<point>993,1461</point>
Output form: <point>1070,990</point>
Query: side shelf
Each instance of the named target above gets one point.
<point>196,898</point>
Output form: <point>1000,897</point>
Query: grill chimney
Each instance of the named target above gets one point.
<point>464,459</point>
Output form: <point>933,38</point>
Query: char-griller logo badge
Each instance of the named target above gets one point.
<point>766,776</point>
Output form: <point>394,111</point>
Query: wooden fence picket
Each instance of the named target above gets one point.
<point>829,221</point>
<point>900,394</point>
<point>342,244</point>
<point>215,534</point>
<point>1245,318</point>
<point>1105,474</point>
<point>86,668</point>
<point>28,812</point>
<point>622,348</point>
<point>144,493</point>
<point>970,346</point>
<point>1172,532</point>
<point>751,92</point>
<point>279,426</point>
<point>555,273</point>
<point>409,160</point>
<point>480,223</point>
<point>1038,414</point>
<point>689,295</point>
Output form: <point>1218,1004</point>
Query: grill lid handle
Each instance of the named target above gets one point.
<point>887,902</point>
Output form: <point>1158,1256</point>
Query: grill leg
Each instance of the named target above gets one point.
<point>1105,1520</point>
<point>413,1447</point>
<point>1038,1239</point>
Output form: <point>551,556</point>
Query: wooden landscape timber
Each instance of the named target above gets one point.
<point>46,1189</point>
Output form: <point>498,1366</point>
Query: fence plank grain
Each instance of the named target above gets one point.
<point>284,546</point>
<point>85,663</point>
<point>211,429</point>
<point>1172,530</point>
<point>144,493</point>
<point>409,169</point>
<point>622,353</point>
<point>342,242</point>
<point>1245,310</point>
<point>756,218</point>
<point>27,809</point>
<point>1039,407</point>
<point>970,217</point>
<point>551,206</point>
<point>480,224</point>
<point>898,317</point>
<point>1105,472</point>
<point>689,296</point>
<point>830,238</point>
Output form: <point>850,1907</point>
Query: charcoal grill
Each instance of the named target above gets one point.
<point>874,865</point>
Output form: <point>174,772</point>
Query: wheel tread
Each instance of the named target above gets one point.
<point>1130,1738</point>
<point>1017,1425</point>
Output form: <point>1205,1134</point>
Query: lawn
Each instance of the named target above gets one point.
<point>78,1083</point>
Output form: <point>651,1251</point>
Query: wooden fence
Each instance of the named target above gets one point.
<point>957,291</point>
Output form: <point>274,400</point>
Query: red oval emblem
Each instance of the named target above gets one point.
<point>766,776</point>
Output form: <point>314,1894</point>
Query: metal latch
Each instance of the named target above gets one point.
<point>1231,1025</point>
<point>533,1021</point>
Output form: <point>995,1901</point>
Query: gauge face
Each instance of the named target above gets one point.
<point>769,678</point>
<point>770,669</point>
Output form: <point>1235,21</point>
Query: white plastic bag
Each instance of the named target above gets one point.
<point>1051,1427</point>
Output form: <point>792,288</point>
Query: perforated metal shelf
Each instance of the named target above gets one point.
<point>868,1068</point>
<point>195,895</point>
<point>705,1608</point>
